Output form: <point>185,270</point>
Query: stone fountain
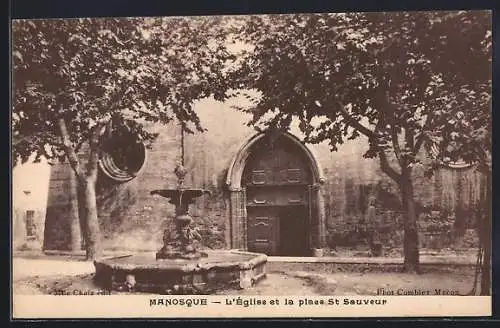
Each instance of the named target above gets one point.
<point>180,243</point>
<point>179,267</point>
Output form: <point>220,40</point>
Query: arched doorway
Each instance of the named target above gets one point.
<point>275,197</point>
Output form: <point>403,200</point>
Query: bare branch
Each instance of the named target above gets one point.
<point>95,149</point>
<point>355,123</point>
<point>395,145</point>
<point>421,137</point>
<point>79,145</point>
<point>68,148</point>
<point>386,167</point>
<point>384,163</point>
<point>410,139</point>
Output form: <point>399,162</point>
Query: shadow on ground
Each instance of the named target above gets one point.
<point>33,276</point>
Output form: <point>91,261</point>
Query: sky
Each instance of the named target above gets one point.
<point>34,179</point>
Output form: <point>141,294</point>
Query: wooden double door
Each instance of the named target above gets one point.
<point>278,230</point>
<point>277,182</point>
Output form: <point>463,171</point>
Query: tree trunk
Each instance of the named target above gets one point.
<point>485,233</point>
<point>410,243</point>
<point>80,191</point>
<point>88,209</point>
<point>86,188</point>
<point>486,267</point>
<point>76,226</point>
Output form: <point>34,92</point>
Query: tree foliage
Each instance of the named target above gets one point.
<point>88,71</point>
<point>377,74</point>
<point>403,80</point>
<point>76,82</point>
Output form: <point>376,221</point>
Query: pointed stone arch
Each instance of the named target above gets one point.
<point>235,171</point>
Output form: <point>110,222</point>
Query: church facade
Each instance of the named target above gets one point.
<point>268,193</point>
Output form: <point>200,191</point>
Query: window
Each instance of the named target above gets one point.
<point>30,224</point>
<point>124,156</point>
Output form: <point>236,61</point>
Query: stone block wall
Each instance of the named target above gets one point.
<point>132,219</point>
<point>61,209</point>
<point>452,194</point>
<point>28,229</point>
<point>29,201</point>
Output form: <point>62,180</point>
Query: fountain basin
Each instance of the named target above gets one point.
<point>144,273</point>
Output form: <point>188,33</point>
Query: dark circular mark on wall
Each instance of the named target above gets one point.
<point>435,153</point>
<point>124,156</point>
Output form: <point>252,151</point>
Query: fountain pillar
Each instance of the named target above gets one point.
<point>179,267</point>
<point>180,243</point>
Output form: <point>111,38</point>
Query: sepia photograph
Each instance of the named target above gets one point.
<point>326,164</point>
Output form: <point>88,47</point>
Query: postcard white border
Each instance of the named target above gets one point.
<point>142,306</point>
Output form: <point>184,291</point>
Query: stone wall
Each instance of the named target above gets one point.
<point>132,219</point>
<point>29,202</point>
<point>62,209</point>
<point>448,204</point>
<point>28,229</point>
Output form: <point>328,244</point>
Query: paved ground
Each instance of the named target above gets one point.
<point>424,259</point>
<point>47,275</point>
